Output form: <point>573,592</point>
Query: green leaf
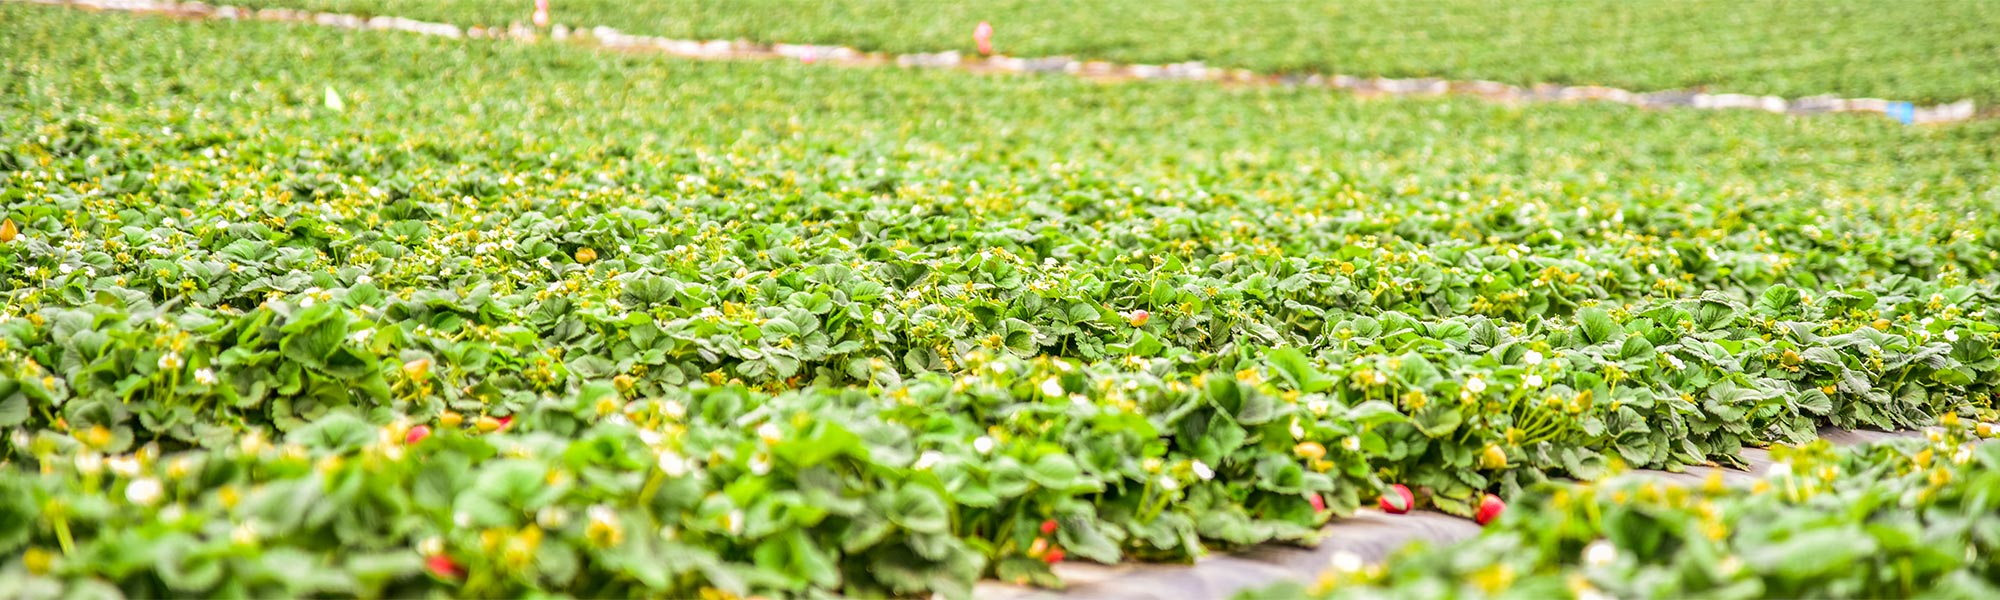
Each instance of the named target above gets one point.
<point>1597,325</point>
<point>920,509</point>
<point>1055,471</point>
<point>1297,368</point>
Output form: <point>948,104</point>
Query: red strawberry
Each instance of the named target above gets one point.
<point>1489,509</point>
<point>1319,504</point>
<point>1048,526</point>
<point>444,567</point>
<point>506,421</point>
<point>1054,556</point>
<point>1398,501</point>
<point>417,434</point>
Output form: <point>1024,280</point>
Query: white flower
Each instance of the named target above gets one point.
<point>734,521</point>
<point>983,445</point>
<point>1600,553</point>
<point>89,463</point>
<point>1298,431</point>
<point>673,464</point>
<point>673,409</point>
<point>760,463</point>
<point>1475,385</point>
<point>1201,470</point>
<point>1963,454</point>
<point>649,437</point>
<point>205,376</point>
<point>361,336</point>
<point>244,534</point>
<point>1381,378</point>
<point>1346,562</point>
<point>1532,358</point>
<point>124,466</point>
<point>1779,470</point>
<point>1351,443</point>
<point>602,515</point>
<point>1319,406</point>
<point>143,491</point>
<point>1052,386</point>
<point>769,433</point>
<point>550,517</point>
<point>251,443</point>
<point>1951,335</point>
<point>928,459</point>
<point>998,367</point>
<point>1533,380</point>
<point>431,546</point>
<point>170,361</point>
<point>1169,483</point>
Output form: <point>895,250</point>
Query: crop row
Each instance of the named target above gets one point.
<point>1931,51</point>
<point>611,38</point>
<point>623,326</point>
<point>1899,519</point>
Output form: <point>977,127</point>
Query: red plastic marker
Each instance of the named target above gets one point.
<point>541,13</point>
<point>983,35</point>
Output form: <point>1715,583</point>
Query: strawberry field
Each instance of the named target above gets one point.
<point>288,310</point>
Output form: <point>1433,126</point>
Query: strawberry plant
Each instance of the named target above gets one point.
<point>1903,518</point>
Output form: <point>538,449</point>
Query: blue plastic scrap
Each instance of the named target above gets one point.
<point>1902,112</point>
